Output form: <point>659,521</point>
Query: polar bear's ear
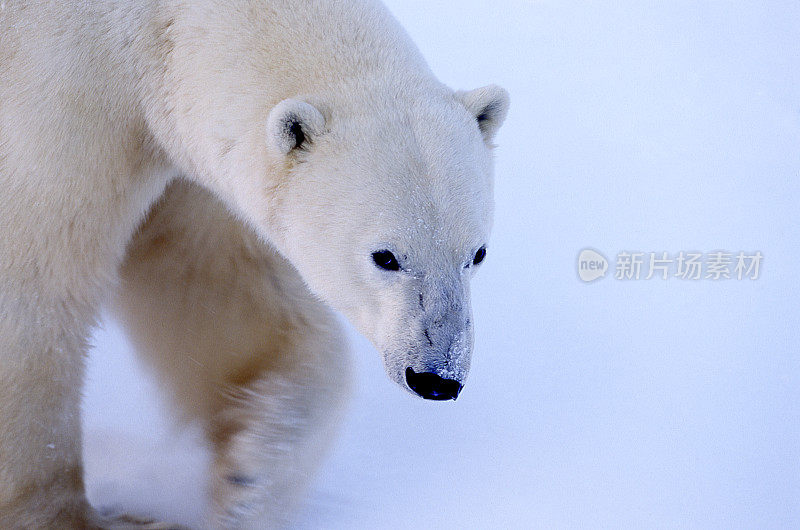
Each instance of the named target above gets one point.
<point>293,124</point>
<point>489,105</point>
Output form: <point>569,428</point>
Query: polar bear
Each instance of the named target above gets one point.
<point>225,175</point>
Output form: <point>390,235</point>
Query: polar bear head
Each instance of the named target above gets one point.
<point>385,208</point>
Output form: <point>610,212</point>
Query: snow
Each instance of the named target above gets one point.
<point>635,126</point>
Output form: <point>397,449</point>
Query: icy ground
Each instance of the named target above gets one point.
<point>638,126</point>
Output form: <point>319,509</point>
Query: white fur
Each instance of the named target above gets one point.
<point>108,108</point>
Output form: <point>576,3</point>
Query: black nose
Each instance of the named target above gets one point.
<point>431,386</point>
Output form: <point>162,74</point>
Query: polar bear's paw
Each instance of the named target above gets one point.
<point>131,522</point>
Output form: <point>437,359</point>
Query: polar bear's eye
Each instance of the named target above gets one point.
<point>479,255</point>
<point>385,260</point>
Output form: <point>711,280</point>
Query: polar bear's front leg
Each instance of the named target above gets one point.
<point>245,349</point>
<point>41,373</point>
<point>268,443</point>
<point>41,370</point>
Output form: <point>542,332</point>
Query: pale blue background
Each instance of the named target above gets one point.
<point>649,126</point>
